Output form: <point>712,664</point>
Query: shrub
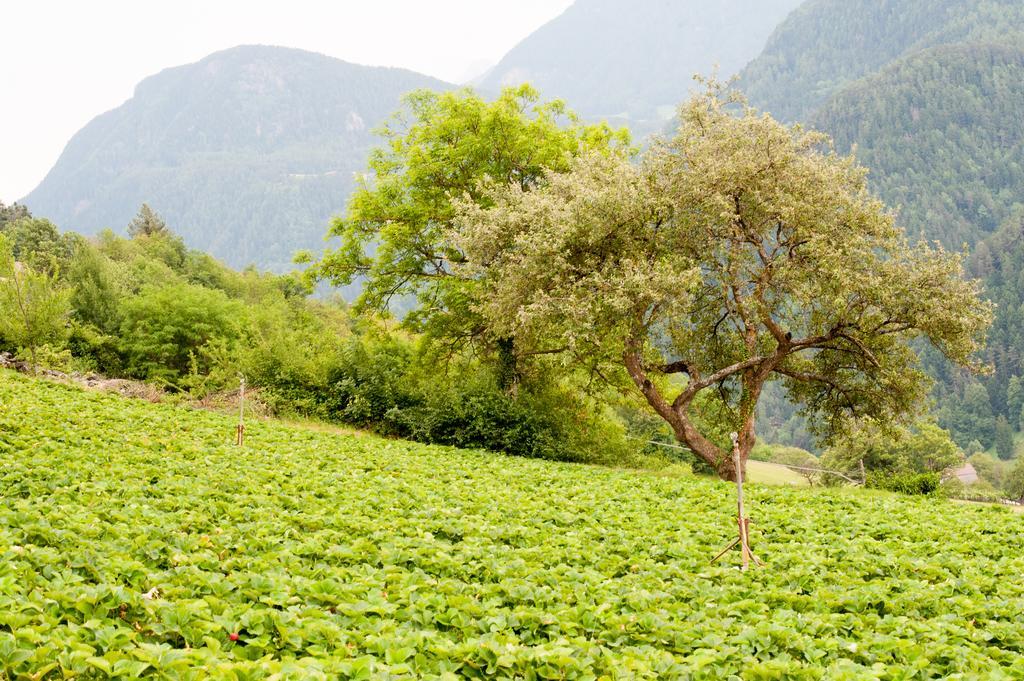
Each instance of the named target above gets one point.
<point>164,329</point>
<point>904,483</point>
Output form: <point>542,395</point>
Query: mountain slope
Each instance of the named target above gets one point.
<point>246,153</point>
<point>943,135</point>
<point>827,44</point>
<point>635,59</point>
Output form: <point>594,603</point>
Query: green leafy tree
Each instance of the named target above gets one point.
<point>10,213</point>
<point>923,448</point>
<point>94,297</point>
<point>33,307</point>
<point>971,417</point>
<point>397,231</point>
<point>164,329</point>
<point>1014,485</point>
<point>38,243</point>
<point>737,253</point>
<point>1004,438</point>
<point>146,223</point>
<point>1014,399</point>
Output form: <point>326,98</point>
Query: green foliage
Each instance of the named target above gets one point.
<point>33,306</point>
<point>924,448</point>
<point>165,328</point>
<point>10,213</point>
<point>980,491</point>
<point>442,147</point>
<point>37,243</point>
<point>904,483</point>
<point>548,425</point>
<point>1004,438</point>
<point>969,417</point>
<point>136,538</point>
<point>1014,484</point>
<point>1015,400</point>
<point>94,296</point>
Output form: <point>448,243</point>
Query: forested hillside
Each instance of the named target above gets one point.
<point>827,44</point>
<point>635,61</point>
<point>247,153</point>
<point>943,135</point>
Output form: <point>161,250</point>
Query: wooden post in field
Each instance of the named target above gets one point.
<point>240,428</point>
<point>742,521</point>
<point>741,517</point>
<point>863,475</point>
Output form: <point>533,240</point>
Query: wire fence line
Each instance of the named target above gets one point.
<point>841,474</point>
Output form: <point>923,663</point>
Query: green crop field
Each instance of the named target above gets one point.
<point>136,540</point>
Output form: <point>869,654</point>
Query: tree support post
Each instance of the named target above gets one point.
<point>240,428</point>
<point>742,521</point>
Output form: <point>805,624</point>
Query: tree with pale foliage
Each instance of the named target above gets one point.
<point>147,222</point>
<point>33,307</point>
<point>738,252</point>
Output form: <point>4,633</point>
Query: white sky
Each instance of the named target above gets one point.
<point>63,62</point>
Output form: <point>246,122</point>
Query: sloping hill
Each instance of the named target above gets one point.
<point>137,541</point>
<point>943,134</point>
<point>246,153</point>
<point>634,60</point>
<point>827,44</point>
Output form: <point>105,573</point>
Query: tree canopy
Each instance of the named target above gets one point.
<point>736,253</point>
<point>146,223</point>
<point>397,231</point>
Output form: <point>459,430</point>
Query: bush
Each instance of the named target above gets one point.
<point>904,483</point>
<point>164,328</point>
<point>953,488</point>
<point>475,413</point>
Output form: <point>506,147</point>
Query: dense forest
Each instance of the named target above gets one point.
<point>942,134</point>
<point>825,45</point>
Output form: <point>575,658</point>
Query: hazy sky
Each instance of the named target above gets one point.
<point>64,62</point>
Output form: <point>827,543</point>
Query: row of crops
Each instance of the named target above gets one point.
<point>137,540</point>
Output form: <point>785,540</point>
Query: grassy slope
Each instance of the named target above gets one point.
<point>356,557</point>
<point>770,474</point>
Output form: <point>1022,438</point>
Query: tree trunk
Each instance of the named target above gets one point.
<point>508,366</point>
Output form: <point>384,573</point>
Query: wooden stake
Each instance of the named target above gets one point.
<point>863,475</point>
<point>740,515</point>
<point>240,429</point>
<point>742,521</point>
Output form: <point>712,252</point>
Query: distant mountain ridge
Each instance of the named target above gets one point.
<point>633,61</point>
<point>246,153</point>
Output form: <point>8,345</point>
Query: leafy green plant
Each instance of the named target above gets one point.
<point>136,540</point>
<point>904,483</point>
